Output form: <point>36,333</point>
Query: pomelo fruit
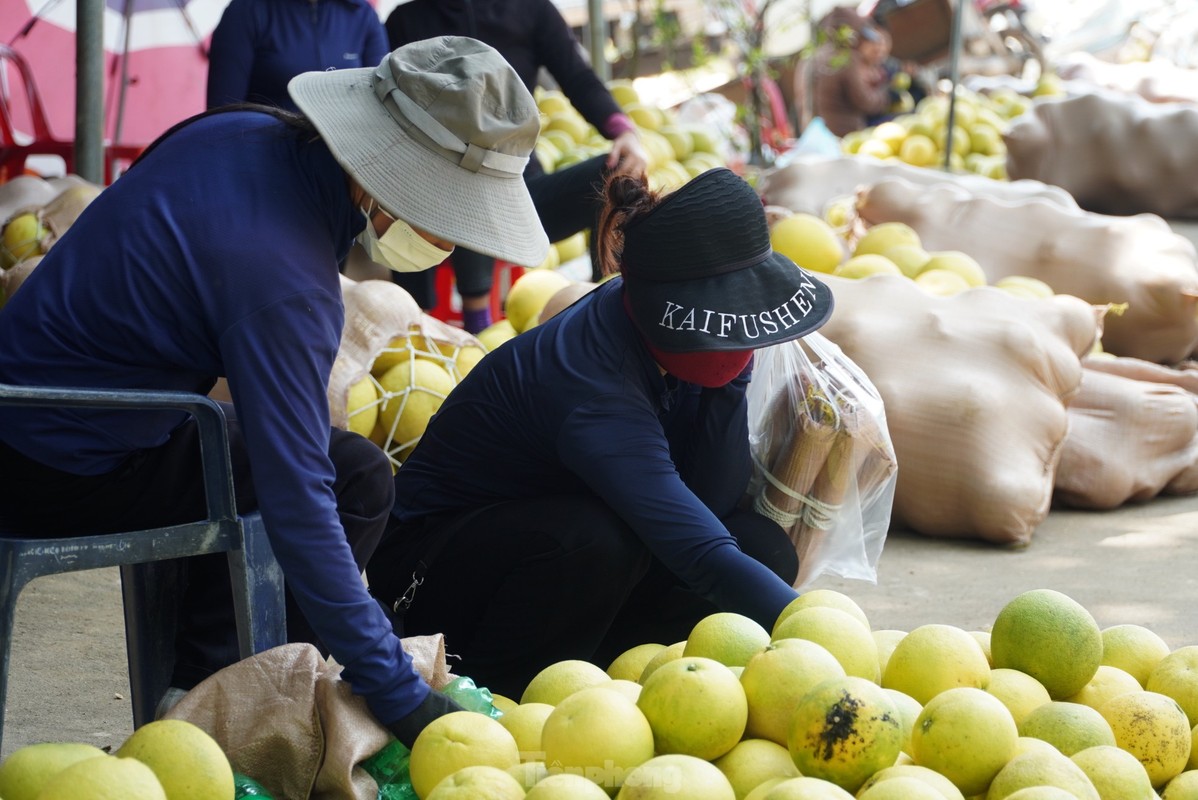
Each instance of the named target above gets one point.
<point>808,241</point>
<point>1134,649</point>
<point>1069,727</point>
<point>827,598</point>
<point>457,740</point>
<point>1153,728</point>
<point>1018,691</point>
<point>1035,628</point>
<point>561,679</point>
<point>412,391</point>
<point>776,679</point>
<point>866,266</point>
<point>189,763</point>
<point>475,783</point>
<point>933,658</point>
<point>107,778</point>
<point>965,734</point>
<point>1041,768</point>
<point>1115,773</point>
<point>673,776</point>
<point>565,786</point>
<point>27,769</point>
<point>597,733</point>
<point>631,663</point>
<point>670,653</point>
<point>1107,682</point>
<point>524,723</point>
<point>752,762</point>
<point>934,779</point>
<point>1177,676</point>
<point>729,638</point>
<point>529,294</point>
<point>838,631</point>
<point>885,235</point>
<point>695,706</point>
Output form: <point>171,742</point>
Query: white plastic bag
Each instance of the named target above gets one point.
<point>824,465</point>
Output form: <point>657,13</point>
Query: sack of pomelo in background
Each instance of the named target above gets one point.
<point>1157,81</point>
<point>975,387</point>
<point>286,718</point>
<point>1115,153</point>
<point>36,213</point>
<point>1133,434</point>
<point>395,367</point>
<point>824,465</point>
<point>809,185</point>
<point>1136,260</point>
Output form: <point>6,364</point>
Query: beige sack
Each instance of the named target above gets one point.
<point>23,193</point>
<point>1129,440</point>
<point>1157,81</point>
<point>809,185</point>
<point>975,387</point>
<point>1101,259</point>
<point>1116,154</point>
<point>286,719</point>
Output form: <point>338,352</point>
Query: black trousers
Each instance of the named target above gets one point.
<point>567,201</point>
<point>522,584</point>
<point>163,486</point>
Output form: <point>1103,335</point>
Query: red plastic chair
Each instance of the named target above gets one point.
<point>14,152</point>
<point>449,303</point>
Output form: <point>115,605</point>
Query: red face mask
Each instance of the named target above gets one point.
<point>708,368</point>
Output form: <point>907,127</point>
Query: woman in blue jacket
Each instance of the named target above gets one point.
<point>578,493</point>
<point>216,255</point>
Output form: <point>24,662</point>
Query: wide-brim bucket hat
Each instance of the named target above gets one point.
<point>439,135</point>
<point>700,274</point>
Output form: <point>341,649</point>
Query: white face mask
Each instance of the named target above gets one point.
<point>401,248</point>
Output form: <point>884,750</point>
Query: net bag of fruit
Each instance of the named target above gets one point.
<point>1102,259</point>
<point>975,387</point>
<point>1133,435</point>
<point>395,366</point>
<point>824,466</point>
<point>1115,153</point>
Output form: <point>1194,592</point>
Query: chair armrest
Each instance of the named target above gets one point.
<point>209,416</point>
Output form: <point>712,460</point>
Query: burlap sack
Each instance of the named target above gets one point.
<point>1157,81</point>
<point>975,387</point>
<point>1115,153</point>
<point>74,195</point>
<point>286,719</point>
<point>1131,437</point>
<point>24,193</point>
<point>809,185</point>
<point>1101,259</point>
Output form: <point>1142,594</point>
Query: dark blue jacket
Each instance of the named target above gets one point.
<point>260,45</point>
<point>578,404</point>
<point>216,255</point>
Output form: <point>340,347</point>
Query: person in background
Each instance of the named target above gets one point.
<point>846,79</point>
<point>260,45</point>
<point>531,35</point>
<point>216,255</point>
<point>579,491</point>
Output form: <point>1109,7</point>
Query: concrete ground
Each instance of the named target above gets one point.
<point>68,679</point>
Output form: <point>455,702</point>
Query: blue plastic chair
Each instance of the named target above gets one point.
<point>147,588</point>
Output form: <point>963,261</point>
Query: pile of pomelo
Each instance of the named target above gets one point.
<point>162,760</point>
<point>1044,706</point>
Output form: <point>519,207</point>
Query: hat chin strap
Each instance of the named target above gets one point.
<point>710,369</point>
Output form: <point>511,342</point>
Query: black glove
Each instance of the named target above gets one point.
<point>406,729</point>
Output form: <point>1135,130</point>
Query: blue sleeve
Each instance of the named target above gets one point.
<point>231,55</point>
<point>560,54</point>
<point>278,362</point>
<point>618,448</point>
<point>715,460</point>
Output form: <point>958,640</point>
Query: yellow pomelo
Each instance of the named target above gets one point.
<point>839,213</point>
<point>572,246</point>
<point>933,658</point>
<point>919,150</point>
<point>1193,762</point>
<point>886,640</point>
<point>22,238</point>
<point>1041,768</point>
<point>529,294</point>
<point>630,689</point>
<point>1153,728</point>
<point>1115,773</point>
<point>402,348</point>
<point>561,679</point>
<point>673,776</point>
<point>362,406</point>
<point>760,791</point>
<point>865,266</point>
<point>467,358</point>
<point>412,392</point>
<point>776,679</point>
<point>1034,629</point>
<point>631,663</point>
<point>752,762</point>
<point>599,734</point>
<point>478,782</point>
<point>1018,691</point>
<point>1026,744</point>
<point>680,141</point>
<point>187,760</point>
<point>943,786</point>
<point>623,92</point>
<point>941,282</point>
<point>824,598</point>
<point>496,334</point>
<point>909,709</point>
<point>524,723</point>
<point>457,740</point>
<point>1069,727</point>
<point>569,121</point>
<point>909,258</point>
<point>729,638</point>
<point>875,148</point>
<point>965,734</point>
<point>844,730</point>
<point>1177,676</point>
<point>27,769</point>
<point>1041,793</point>
<point>547,153</point>
<point>1134,649</point>
<point>565,786</point>
<point>107,778</point>
<point>838,631</point>
<point>644,116</point>
<point>1108,682</point>
<point>806,788</point>
<point>1183,787</point>
<point>900,788</point>
<point>963,264</point>
<point>552,101</point>
<point>808,241</point>
<point>530,773</point>
<point>696,707</point>
<point>502,702</point>
<point>885,235</point>
<point>670,653</point>
<point>983,640</point>
<point>1024,286</point>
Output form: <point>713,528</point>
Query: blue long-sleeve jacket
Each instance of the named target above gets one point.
<point>215,256</point>
<point>578,404</point>
<point>259,45</point>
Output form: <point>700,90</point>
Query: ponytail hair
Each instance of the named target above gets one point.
<point>626,199</point>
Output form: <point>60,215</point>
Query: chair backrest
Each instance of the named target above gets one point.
<point>37,110</point>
